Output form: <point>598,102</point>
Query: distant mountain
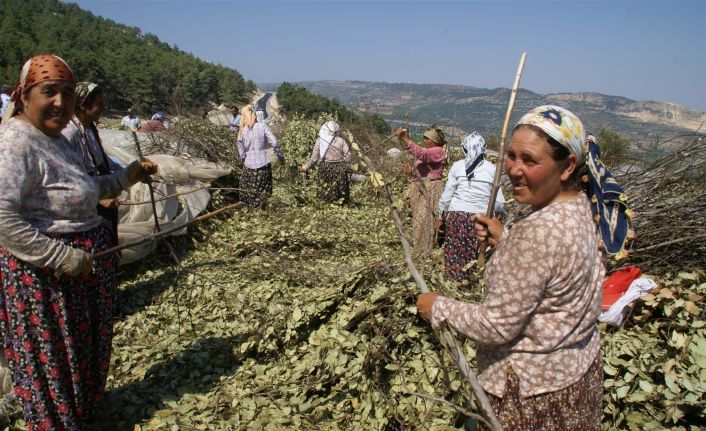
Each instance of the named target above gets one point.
<point>483,109</point>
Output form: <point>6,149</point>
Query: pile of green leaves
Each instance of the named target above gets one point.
<point>656,365</point>
<point>303,317</point>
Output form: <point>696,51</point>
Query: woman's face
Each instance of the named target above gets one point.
<point>49,106</point>
<point>429,143</point>
<point>93,112</point>
<point>536,177</point>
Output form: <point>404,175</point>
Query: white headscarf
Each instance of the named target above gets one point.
<point>474,150</point>
<point>327,134</point>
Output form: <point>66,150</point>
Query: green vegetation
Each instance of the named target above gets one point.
<point>295,99</point>
<point>613,146</point>
<point>135,69</point>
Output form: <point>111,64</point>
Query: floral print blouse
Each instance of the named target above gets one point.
<point>44,189</point>
<point>543,296</point>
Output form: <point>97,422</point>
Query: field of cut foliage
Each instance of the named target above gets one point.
<point>303,317</point>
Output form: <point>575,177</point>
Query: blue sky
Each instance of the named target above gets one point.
<point>644,50</point>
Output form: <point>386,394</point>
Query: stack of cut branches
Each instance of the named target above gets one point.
<point>668,198</point>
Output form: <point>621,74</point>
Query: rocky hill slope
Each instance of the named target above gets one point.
<point>483,109</point>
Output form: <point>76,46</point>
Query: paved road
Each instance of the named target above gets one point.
<point>261,105</point>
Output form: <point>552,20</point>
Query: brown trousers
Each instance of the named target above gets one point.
<point>423,200</point>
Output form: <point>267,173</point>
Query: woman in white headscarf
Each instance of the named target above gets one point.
<point>335,155</point>
<point>467,192</point>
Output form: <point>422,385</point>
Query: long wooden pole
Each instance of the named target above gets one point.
<point>454,348</point>
<point>501,152</point>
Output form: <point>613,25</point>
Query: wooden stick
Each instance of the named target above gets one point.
<point>149,184</point>
<point>501,152</point>
<point>165,232</point>
<point>454,348</point>
<point>167,197</point>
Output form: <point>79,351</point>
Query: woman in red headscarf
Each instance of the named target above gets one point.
<point>56,302</point>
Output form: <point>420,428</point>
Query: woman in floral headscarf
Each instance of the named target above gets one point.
<point>538,348</point>
<point>332,151</point>
<point>83,133</point>
<point>467,192</point>
<point>56,302</point>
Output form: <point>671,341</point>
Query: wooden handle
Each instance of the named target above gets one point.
<point>501,152</point>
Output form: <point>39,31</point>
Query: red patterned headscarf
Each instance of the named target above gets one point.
<point>40,68</point>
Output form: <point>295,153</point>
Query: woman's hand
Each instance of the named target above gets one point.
<point>109,203</point>
<point>302,169</point>
<point>488,229</point>
<point>425,302</point>
<point>141,172</point>
<point>402,134</point>
<point>76,262</point>
<point>407,169</point>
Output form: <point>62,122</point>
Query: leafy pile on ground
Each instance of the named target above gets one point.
<point>303,317</point>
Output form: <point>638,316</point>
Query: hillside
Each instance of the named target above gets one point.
<point>135,68</point>
<point>483,109</point>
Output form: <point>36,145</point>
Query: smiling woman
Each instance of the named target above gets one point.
<point>55,302</point>
<point>538,345</point>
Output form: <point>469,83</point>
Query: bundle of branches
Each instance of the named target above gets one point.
<point>668,198</point>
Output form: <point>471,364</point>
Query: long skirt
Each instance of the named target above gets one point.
<point>423,199</point>
<point>577,407</point>
<point>58,333</point>
<point>460,246</point>
<point>334,184</point>
<point>256,186</point>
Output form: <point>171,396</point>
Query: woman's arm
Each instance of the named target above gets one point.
<point>346,150</point>
<point>449,191</point>
<point>314,157</point>
<point>515,289</point>
<point>270,137</point>
<point>16,234</point>
<point>111,185</point>
<point>426,155</point>
<point>241,142</point>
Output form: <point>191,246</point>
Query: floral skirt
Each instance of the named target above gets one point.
<point>577,407</point>
<point>334,184</point>
<point>58,333</point>
<point>256,186</point>
<point>460,246</point>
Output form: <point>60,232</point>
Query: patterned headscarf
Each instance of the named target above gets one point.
<point>608,201</point>
<point>562,125</point>
<point>327,134</point>
<point>38,69</point>
<point>473,147</point>
<point>435,135</point>
<point>83,90</point>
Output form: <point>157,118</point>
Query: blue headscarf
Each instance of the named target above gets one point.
<point>608,201</point>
